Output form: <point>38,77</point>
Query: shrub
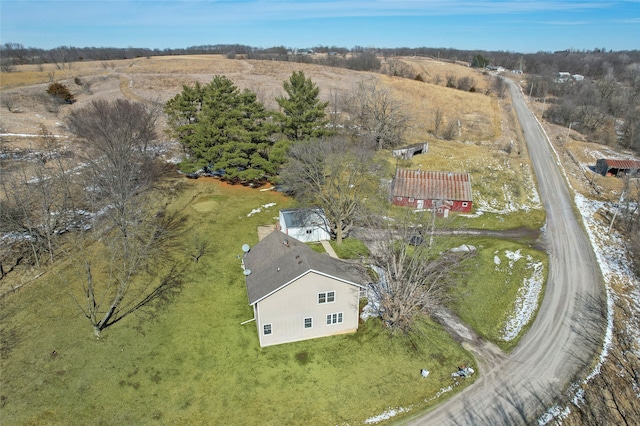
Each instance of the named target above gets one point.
<point>62,92</point>
<point>451,131</point>
<point>466,84</point>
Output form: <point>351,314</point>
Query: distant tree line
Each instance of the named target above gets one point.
<point>596,63</point>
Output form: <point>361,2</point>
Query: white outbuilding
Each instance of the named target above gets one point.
<point>305,224</point>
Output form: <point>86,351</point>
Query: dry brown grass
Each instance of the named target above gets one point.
<point>436,72</point>
<point>157,79</point>
<point>475,111</point>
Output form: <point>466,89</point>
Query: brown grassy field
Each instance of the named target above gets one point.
<point>157,79</point>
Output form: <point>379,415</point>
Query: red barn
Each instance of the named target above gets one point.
<point>446,191</point>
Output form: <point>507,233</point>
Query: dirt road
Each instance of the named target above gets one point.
<point>517,388</point>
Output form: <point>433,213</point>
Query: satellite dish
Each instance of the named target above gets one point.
<point>247,272</point>
<point>246,248</point>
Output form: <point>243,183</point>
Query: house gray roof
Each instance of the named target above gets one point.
<point>278,259</point>
<point>304,217</point>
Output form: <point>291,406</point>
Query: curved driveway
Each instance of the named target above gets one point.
<point>517,388</point>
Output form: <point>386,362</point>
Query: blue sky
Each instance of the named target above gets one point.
<point>517,25</point>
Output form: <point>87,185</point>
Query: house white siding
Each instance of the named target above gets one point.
<point>308,235</point>
<point>305,227</point>
<point>288,308</point>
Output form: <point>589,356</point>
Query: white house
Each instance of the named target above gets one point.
<point>305,224</point>
<point>299,294</point>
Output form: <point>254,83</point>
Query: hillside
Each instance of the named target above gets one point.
<point>489,145</point>
<point>157,79</point>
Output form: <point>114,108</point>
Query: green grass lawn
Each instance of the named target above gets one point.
<point>350,248</point>
<point>190,361</point>
<point>485,298</point>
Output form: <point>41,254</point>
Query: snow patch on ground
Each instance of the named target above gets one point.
<point>441,392</point>
<point>513,256</point>
<point>391,412</point>
<point>259,209</point>
<point>464,248</point>
<point>555,412</point>
<point>496,259</point>
<point>526,302</point>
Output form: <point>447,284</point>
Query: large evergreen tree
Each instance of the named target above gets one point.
<point>222,127</point>
<point>479,61</point>
<point>303,115</point>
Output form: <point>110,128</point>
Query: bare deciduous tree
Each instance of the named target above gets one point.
<point>376,117</point>
<point>437,121</point>
<point>36,201</point>
<point>500,86</point>
<point>416,278</point>
<point>135,232</point>
<point>452,130</point>
<point>333,175</point>
<point>398,68</point>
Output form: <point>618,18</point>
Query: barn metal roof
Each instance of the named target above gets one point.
<point>427,185</point>
<point>622,164</point>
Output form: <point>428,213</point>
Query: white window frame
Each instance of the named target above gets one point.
<point>264,329</point>
<point>335,318</point>
<point>310,322</point>
<point>323,297</point>
<point>465,204</point>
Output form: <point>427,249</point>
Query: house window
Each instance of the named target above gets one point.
<point>399,198</point>
<point>308,322</point>
<point>327,297</point>
<point>411,199</point>
<point>266,329</point>
<point>334,318</point>
<point>465,204</point>
<point>309,231</point>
